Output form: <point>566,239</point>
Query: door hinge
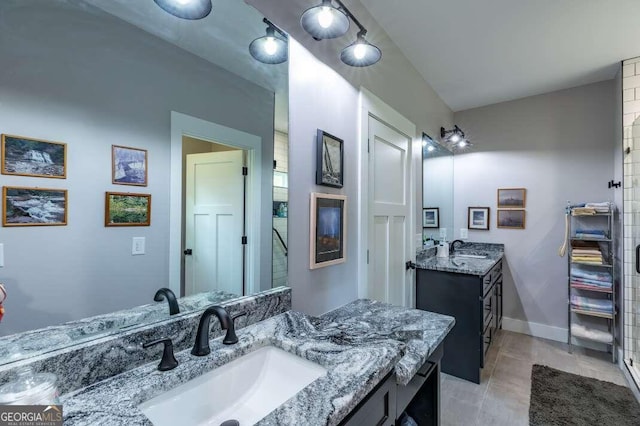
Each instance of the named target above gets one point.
<point>244,239</point>
<point>367,257</point>
<point>245,171</point>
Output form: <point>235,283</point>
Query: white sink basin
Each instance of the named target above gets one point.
<point>246,390</point>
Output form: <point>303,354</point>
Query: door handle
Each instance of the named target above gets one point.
<point>638,258</point>
<point>188,252</point>
<point>411,265</point>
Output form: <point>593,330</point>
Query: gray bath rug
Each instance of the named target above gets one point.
<point>564,399</point>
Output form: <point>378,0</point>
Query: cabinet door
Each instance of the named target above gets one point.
<point>378,408</point>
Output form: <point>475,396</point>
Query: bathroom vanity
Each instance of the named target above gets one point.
<point>468,286</point>
<point>380,360</point>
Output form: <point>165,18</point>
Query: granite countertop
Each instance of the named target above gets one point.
<point>358,344</point>
<point>465,265</point>
<point>36,342</point>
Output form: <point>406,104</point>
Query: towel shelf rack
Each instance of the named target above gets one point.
<point>601,269</point>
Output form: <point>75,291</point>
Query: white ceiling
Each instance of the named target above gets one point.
<point>480,52</point>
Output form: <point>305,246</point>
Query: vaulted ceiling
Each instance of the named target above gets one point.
<point>475,53</point>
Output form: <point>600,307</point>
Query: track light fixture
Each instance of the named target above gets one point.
<point>186,9</point>
<point>327,21</point>
<point>271,48</point>
<point>454,138</point>
<point>360,53</point>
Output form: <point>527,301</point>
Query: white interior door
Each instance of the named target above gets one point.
<point>214,222</point>
<point>389,214</point>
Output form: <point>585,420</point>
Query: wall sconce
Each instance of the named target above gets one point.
<point>327,21</point>
<point>454,138</point>
<point>271,48</point>
<point>186,9</point>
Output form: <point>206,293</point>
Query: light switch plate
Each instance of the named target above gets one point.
<point>138,246</point>
<point>1,255</point>
<point>464,233</point>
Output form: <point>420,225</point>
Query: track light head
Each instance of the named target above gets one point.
<point>186,9</point>
<point>325,21</point>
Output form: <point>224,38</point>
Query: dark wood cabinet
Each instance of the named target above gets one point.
<point>387,403</point>
<point>476,304</point>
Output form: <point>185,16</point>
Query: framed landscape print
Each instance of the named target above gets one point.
<point>33,206</point>
<point>126,209</point>
<point>24,156</point>
<point>330,160</point>
<point>511,219</point>
<point>328,230</point>
<point>478,218</point>
<point>128,165</point>
<point>512,198</point>
<point>431,217</point>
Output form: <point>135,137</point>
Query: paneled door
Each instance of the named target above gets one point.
<point>214,222</point>
<point>389,214</point>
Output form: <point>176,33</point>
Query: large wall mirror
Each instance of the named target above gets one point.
<point>197,123</point>
<point>437,191</point>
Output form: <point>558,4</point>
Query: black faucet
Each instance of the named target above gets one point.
<point>452,246</point>
<point>201,346</point>
<point>165,293</point>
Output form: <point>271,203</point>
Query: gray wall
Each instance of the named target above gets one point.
<point>394,79</point>
<point>91,81</point>
<point>560,146</point>
<point>323,94</point>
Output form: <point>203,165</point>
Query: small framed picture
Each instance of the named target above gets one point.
<point>33,157</point>
<point>478,218</point>
<point>128,165</point>
<point>33,206</point>
<point>511,219</point>
<point>328,230</point>
<point>330,160</point>
<point>126,209</point>
<point>512,198</point>
<point>431,217</point>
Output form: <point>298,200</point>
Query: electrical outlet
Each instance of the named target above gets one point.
<point>137,247</point>
<point>1,255</point>
<point>443,233</point>
<point>464,233</point>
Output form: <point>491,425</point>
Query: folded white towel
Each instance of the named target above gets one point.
<point>579,330</point>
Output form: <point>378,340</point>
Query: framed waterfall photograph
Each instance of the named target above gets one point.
<point>24,156</point>
<point>330,160</point>
<point>128,165</point>
<point>33,206</point>
<point>478,218</point>
<point>328,230</point>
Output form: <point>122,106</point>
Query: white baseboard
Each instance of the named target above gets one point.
<point>558,334</point>
<point>550,332</point>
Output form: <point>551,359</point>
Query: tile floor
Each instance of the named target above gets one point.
<point>502,397</point>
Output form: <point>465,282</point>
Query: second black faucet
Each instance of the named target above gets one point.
<point>201,346</point>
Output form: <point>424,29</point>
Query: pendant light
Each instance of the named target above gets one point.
<point>186,9</point>
<point>360,53</point>
<point>325,21</point>
<point>271,48</point>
